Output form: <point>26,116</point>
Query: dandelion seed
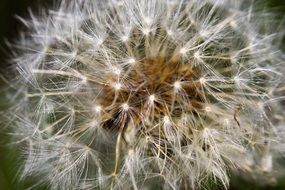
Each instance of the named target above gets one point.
<point>170,33</point>
<point>208,109</point>
<point>197,55</point>
<point>117,86</point>
<point>151,98</point>
<point>183,51</point>
<point>116,71</point>
<point>125,38</point>
<point>98,109</point>
<point>125,107</point>
<point>132,61</point>
<point>202,80</point>
<point>177,85</point>
<point>146,31</point>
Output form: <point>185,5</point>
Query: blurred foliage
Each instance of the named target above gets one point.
<point>9,156</point>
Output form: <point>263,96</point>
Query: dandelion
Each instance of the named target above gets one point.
<point>134,94</point>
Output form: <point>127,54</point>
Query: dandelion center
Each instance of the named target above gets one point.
<point>174,82</point>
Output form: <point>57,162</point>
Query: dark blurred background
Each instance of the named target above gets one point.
<point>9,28</point>
<point>9,25</point>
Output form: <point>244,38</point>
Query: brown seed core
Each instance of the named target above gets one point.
<point>173,85</point>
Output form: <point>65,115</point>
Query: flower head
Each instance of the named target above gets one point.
<point>120,93</point>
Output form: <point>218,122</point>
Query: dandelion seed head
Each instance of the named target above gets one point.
<point>170,91</point>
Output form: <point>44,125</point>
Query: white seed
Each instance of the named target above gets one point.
<point>132,61</point>
<point>183,51</point>
<point>125,106</point>
<point>125,38</point>
<point>177,85</point>
<point>151,98</point>
<point>202,80</point>
<point>208,109</point>
<point>117,86</point>
<point>97,108</point>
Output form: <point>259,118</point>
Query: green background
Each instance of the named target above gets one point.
<point>9,26</point>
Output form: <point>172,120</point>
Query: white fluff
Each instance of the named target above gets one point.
<point>71,54</point>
